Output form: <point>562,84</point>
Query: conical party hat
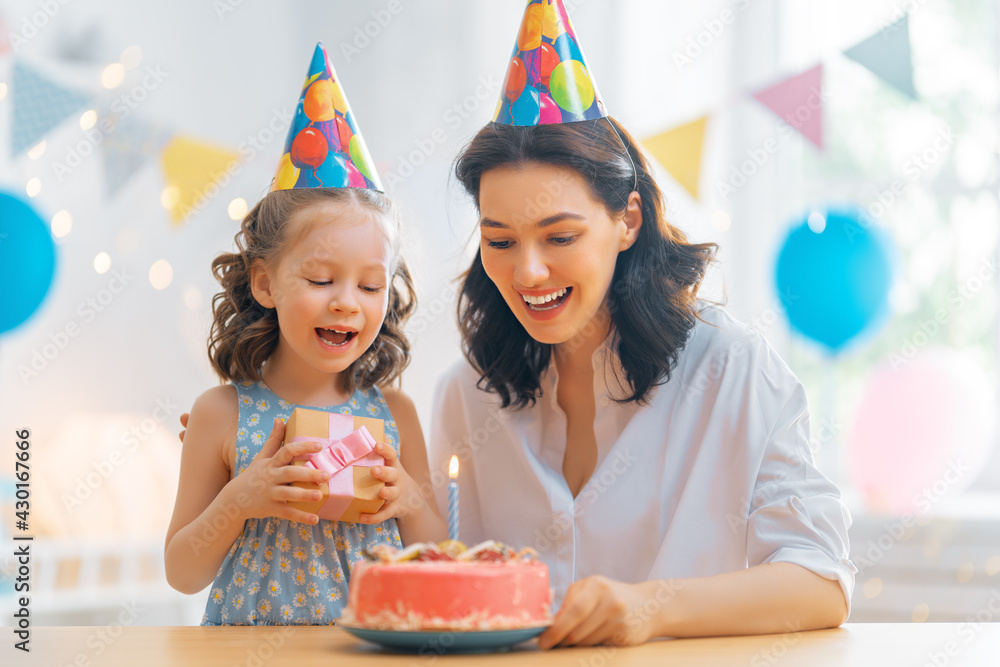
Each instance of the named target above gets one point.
<point>547,80</point>
<point>324,148</point>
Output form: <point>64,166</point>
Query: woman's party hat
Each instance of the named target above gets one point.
<point>547,80</point>
<point>324,148</point>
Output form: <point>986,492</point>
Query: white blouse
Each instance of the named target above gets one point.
<point>714,475</point>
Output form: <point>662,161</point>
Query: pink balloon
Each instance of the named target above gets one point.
<point>922,432</point>
<point>548,110</point>
<point>354,177</point>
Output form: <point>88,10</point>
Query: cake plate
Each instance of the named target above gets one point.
<point>444,641</point>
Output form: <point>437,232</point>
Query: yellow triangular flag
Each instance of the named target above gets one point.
<point>679,151</point>
<point>195,172</point>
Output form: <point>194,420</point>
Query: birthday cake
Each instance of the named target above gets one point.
<point>427,587</point>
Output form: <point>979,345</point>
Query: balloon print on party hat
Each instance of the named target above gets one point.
<point>324,148</point>
<point>547,79</point>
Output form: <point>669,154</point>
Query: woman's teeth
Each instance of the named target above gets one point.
<point>537,301</point>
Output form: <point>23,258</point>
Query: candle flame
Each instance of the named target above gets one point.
<point>453,467</point>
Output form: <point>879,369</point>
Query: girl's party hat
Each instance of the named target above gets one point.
<point>324,148</point>
<point>547,80</point>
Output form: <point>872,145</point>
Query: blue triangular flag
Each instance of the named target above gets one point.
<point>127,145</point>
<point>40,104</point>
<point>887,54</point>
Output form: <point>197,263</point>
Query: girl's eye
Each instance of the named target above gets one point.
<point>371,289</point>
<point>562,240</point>
<point>319,283</point>
<point>502,245</point>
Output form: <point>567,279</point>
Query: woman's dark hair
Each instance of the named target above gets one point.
<point>654,288</point>
<point>245,333</point>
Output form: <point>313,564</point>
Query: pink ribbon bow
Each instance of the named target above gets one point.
<point>341,452</point>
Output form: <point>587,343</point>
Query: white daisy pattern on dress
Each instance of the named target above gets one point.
<point>279,571</point>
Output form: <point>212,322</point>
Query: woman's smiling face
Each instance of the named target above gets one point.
<point>550,247</point>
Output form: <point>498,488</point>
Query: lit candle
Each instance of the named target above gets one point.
<point>453,499</point>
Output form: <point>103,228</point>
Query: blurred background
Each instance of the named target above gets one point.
<point>843,155</point>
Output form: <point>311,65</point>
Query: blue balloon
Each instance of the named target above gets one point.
<point>333,172</point>
<point>27,261</point>
<point>566,48</point>
<point>834,279</point>
<point>526,108</point>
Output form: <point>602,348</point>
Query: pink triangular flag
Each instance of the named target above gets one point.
<point>798,101</point>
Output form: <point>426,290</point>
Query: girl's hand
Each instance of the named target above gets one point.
<point>262,489</point>
<point>597,610</point>
<point>401,493</point>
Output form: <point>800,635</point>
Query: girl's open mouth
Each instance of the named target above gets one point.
<point>335,337</point>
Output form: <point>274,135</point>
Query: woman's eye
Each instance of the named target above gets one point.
<point>562,240</point>
<point>502,245</point>
<point>319,283</point>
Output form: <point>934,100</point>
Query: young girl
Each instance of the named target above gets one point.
<point>311,315</point>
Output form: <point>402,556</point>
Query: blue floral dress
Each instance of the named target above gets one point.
<point>281,572</point>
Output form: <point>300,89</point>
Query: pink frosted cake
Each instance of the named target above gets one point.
<point>448,587</point>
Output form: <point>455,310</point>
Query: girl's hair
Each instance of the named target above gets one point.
<point>245,333</point>
<point>654,288</point>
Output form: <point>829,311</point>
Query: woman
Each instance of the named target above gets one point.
<point>652,449</point>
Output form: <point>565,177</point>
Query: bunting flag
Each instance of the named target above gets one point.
<point>195,173</point>
<point>128,143</point>
<point>4,37</point>
<point>679,151</point>
<point>40,105</point>
<point>799,102</point>
<point>888,56</point>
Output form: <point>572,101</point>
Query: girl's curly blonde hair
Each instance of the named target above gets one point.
<point>245,333</point>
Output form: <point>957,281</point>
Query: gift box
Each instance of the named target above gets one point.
<point>348,453</point>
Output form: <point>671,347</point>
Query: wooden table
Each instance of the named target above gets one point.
<point>854,645</point>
